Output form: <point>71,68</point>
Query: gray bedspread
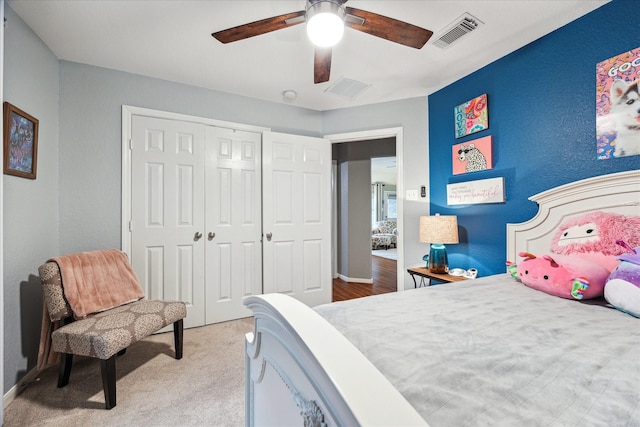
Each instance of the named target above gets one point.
<point>492,352</point>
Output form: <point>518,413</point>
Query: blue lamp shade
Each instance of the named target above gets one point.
<point>438,230</point>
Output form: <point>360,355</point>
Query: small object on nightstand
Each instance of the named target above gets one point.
<point>457,272</point>
<point>471,273</point>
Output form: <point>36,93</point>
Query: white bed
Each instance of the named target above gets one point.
<point>484,352</point>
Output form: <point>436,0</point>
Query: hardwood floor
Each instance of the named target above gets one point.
<point>384,281</point>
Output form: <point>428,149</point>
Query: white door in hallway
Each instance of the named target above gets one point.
<point>167,211</point>
<point>233,222</point>
<point>297,216</point>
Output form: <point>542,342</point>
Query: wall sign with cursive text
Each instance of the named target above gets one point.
<point>474,192</point>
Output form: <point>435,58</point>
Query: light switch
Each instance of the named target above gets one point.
<point>412,194</point>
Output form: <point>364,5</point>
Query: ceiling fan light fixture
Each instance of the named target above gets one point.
<point>325,23</point>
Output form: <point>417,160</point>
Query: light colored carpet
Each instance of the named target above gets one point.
<point>204,388</point>
<point>386,253</point>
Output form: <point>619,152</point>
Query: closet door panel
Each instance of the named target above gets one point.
<point>167,205</point>
<point>234,222</point>
<point>297,217</point>
<point>219,214</point>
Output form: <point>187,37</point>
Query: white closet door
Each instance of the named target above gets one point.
<point>297,217</point>
<point>167,220</point>
<point>233,222</point>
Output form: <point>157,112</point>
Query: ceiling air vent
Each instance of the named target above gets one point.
<point>457,29</point>
<point>347,88</point>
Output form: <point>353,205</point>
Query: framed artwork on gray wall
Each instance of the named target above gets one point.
<point>20,142</point>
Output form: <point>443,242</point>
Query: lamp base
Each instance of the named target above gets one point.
<point>439,269</point>
<point>438,262</point>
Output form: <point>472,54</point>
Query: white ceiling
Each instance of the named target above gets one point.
<point>171,40</point>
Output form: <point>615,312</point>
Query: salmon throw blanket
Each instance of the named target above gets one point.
<point>97,281</point>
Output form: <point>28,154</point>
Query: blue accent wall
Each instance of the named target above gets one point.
<point>542,118</point>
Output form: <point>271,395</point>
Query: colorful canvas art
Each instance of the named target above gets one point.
<point>472,116</point>
<point>617,101</point>
<point>473,156</point>
<point>20,142</point>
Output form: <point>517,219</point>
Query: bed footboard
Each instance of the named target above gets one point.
<point>301,371</point>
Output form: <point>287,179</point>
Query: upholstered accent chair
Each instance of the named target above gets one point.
<point>384,234</point>
<point>103,335</point>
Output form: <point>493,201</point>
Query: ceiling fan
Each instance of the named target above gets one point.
<point>333,11</point>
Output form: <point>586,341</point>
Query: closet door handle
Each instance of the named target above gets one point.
<point>211,235</point>
<point>197,236</point>
<point>269,235</point>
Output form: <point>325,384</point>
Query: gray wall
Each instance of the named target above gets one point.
<point>412,116</point>
<point>31,75</point>
<point>354,253</point>
<point>91,100</point>
<point>74,204</point>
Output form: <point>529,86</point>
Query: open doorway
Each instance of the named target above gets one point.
<point>383,188</point>
<point>384,207</point>
<point>360,203</point>
<point>384,224</point>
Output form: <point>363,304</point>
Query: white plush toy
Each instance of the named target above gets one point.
<point>622,289</point>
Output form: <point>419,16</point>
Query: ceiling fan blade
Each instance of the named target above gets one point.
<point>257,28</point>
<point>321,65</point>
<point>387,28</point>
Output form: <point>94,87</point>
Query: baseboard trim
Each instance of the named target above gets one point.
<point>14,391</point>
<point>355,280</point>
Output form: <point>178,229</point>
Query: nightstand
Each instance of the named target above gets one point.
<point>424,273</point>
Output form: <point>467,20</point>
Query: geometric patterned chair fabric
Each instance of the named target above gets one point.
<point>384,234</point>
<point>106,334</point>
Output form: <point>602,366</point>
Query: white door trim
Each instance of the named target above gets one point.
<point>127,112</point>
<point>2,225</point>
<point>379,134</point>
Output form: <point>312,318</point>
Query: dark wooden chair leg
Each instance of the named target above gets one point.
<point>177,337</point>
<point>66,360</point>
<point>108,368</point>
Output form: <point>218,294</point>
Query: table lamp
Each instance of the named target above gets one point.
<point>438,230</point>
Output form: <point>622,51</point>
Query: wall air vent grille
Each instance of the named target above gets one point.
<point>457,29</point>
